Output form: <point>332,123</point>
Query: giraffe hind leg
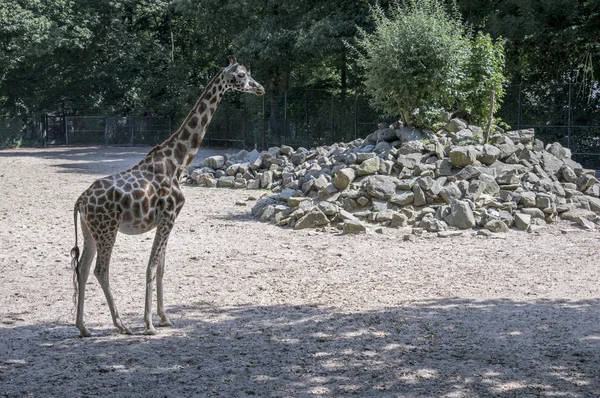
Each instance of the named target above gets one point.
<point>101,272</point>
<point>82,272</point>
<point>160,309</point>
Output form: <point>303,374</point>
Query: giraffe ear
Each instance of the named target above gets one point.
<point>232,60</point>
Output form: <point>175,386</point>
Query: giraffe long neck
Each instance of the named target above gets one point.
<point>183,145</point>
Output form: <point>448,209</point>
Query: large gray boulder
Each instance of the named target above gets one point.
<point>381,187</point>
<point>409,133</point>
<point>461,216</point>
<point>342,178</point>
<point>313,218</point>
<point>462,156</point>
<point>214,162</point>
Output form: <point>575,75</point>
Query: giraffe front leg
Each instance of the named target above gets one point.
<point>156,263</point>
<point>160,271</point>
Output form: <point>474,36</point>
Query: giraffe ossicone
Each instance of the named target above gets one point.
<point>145,197</point>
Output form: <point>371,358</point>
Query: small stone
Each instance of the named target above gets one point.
<point>586,224</point>
<point>353,227</point>
<point>496,226</point>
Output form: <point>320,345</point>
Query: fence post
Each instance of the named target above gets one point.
<point>264,119</point>
<point>285,123</point>
<point>132,131</point>
<point>66,130</point>
<point>105,130</point>
<point>569,119</point>
<point>307,120</point>
<point>331,139</point>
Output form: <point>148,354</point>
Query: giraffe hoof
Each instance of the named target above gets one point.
<point>84,333</point>
<point>151,332</point>
<point>126,331</point>
<point>165,323</point>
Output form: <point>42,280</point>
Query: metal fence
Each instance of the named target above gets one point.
<point>565,113</point>
<point>296,118</point>
<point>105,130</point>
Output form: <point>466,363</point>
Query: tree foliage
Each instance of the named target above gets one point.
<point>136,57</point>
<point>418,59</point>
<point>484,74</point>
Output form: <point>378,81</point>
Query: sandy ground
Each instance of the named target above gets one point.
<point>265,311</point>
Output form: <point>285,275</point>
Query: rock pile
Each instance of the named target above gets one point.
<point>400,177</point>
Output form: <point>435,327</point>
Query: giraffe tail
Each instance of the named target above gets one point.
<point>75,256</point>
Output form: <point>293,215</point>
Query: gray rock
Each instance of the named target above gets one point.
<point>455,125</point>
<point>534,212</point>
<point>409,160</point>
<point>353,227</point>
<point>266,179</point>
<point>497,226</point>
<point>489,154</point>
<point>298,158</point>
<point>225,182</point>
<point>369,166</point>
<point>463,135</point>
<point>329,209</point>
<point>468,172</point>
<point>507,147</point>
<point>362,156</point>
<point>419,198</point>
<point>399,220</point>
<point>451,193</point>
<point>574,214</point>
<point>314,218</point>
<point>411,147</point>
<point>551,163</point>
<point>386,135</point>
<point>558,150</point>
<point>594,204</point>
<point>585,181</point>
<point>214,162</point>
<point>461,215</point>
<point>463,156</point>
<point>443,167</point>
<point>409,133</point>
<point>522,136</point>
<point>586,224</point>
<point>522,221</point>
<point>381,187</point>
<point>286,150</point>
<point>342,178</point>
<point>528,199</point>
<point>403,198</point>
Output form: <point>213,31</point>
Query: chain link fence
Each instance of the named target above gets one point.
<point>567,113</point>
<point>105,130</point>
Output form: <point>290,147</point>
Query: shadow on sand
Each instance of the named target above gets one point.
<point>436,348</point>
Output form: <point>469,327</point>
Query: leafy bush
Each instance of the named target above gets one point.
<point>421,58</point>
<point>484,72</point>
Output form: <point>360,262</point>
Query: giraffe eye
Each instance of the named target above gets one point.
<point>241,75</point>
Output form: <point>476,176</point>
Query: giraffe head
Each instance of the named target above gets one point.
<point>238,78</point>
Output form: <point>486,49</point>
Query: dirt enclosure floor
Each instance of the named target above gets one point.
<point>264,311</point>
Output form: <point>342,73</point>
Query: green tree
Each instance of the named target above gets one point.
<point>415,59</point>
<point>484,75</point>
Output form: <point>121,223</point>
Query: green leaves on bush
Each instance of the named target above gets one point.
<point>422,58</point>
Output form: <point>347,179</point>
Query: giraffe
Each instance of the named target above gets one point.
<point>145,197</point>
